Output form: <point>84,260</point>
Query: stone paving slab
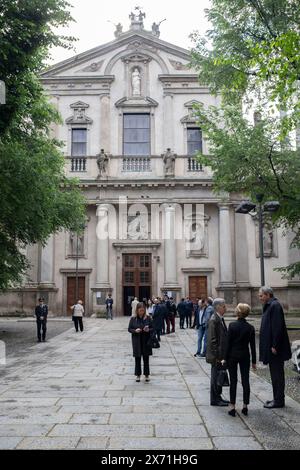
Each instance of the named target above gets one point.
<point>9,443</point>
<point>146,418</point>
<point>48,443</point>
<point>180,430</point>
<point>94,402</point>
<point>101,430</point>
<point>93,443</point>
<point>236,443</point>
<point>161,443</point>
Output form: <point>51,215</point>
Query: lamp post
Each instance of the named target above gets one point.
<point>246,207</point>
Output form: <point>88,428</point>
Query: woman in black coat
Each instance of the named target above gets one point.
<point>239,336</point>
<point>140,327</point>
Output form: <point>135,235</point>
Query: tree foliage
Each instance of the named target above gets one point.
<point>251,59</point>
<point>36,197</point>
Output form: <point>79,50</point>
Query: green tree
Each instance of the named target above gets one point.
<point>250,59</point>
<point>36,197</point>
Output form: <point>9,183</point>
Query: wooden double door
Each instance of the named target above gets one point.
<point>137,279</point>
<point>197,287</point>
<point>71,292</point>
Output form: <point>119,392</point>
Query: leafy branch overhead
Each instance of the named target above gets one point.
<point>250,59</point>
<point>36,197</point>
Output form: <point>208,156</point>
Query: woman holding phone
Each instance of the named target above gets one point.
<point>140,327</point>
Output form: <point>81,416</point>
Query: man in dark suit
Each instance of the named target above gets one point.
<point>159,311</point>
<point>189,312</point>
<point>41,313</point>
<point>181,309</point>
<point>216,350</point>
<point>274,344</point>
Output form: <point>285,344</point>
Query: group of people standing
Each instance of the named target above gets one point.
<point>229,348</point>
<point>225,348</point>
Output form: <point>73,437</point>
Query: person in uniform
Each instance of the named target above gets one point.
<point>41,313</point>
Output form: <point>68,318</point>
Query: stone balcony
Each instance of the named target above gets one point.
<point>143,166</point>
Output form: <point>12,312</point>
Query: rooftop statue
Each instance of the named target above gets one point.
<point>137,18</point>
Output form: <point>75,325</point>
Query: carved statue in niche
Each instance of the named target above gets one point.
<point>73,244</point>
<point>169,162</point>
<point>268,239</point>
<point>102,163</point>
<point>136,82</point>
<point>194,236</point>
<point>137,227</point>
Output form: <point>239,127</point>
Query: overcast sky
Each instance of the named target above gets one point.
<point>93,29</point>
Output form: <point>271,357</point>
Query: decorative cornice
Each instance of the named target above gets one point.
<point>132,39</point>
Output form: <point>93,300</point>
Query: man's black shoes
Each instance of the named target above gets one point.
<point>273,404</point>
<point>220,403</point>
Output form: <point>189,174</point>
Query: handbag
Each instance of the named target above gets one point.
<point>222,378</point>
<point>153,342</point>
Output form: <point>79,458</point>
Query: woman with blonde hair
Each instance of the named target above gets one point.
<point>140,327</point>
<point>239,336</point>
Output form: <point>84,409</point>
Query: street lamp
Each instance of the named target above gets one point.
<point>270,206</point>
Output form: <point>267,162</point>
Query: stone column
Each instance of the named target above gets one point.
<point>102,278</point>
<point>46,274</point>
<point>170,249</point>
<point>105,122</point>
<point>168,121</point>
<point>102,286</point>
<point>225,246</point>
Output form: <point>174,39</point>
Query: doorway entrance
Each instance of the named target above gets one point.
<point>71,292</point>
<point>137,279</point>
<point>197,287</point>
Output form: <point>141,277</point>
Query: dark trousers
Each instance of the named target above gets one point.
<point>276,366</point>
<point>158,334</point>
<point>163,330</point>
<point>41,329</point>
<point>181,320</point>
<point>215,390</point>
<point>188,319</point>
<point>244,370</point>
<point>78,320</point>
<point>171,321</point>
<point>138,366</point>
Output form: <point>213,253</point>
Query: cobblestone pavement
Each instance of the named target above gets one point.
<point>78,391</point>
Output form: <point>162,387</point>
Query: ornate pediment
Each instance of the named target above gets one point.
<point>191,103</point>
<point>177,65</point>
<point>140,44</point>
<point>93,67</point>
<point>79,116</point>
<point>189,119</point>
<point>136,102</point>
<point>136,57</point>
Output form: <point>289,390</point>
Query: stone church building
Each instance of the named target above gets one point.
<point>130,137</point>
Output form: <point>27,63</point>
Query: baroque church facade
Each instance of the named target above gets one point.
<point>154,224</point>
